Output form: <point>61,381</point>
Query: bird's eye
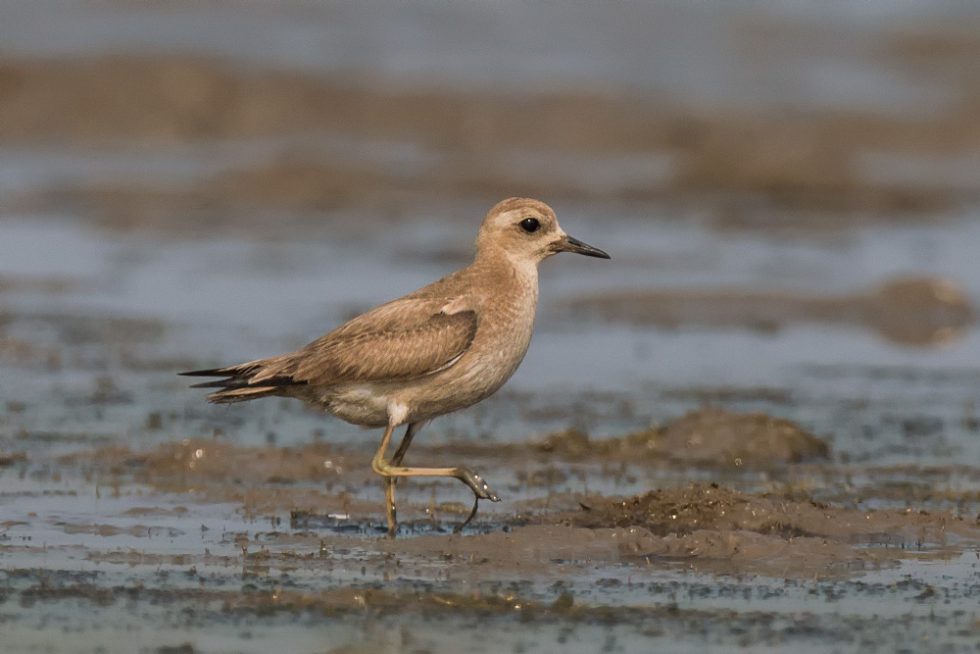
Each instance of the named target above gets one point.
<point>530,225</point>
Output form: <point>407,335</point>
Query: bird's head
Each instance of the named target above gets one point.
<point>527,230</point>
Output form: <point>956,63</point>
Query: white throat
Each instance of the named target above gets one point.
<point>525,267</point>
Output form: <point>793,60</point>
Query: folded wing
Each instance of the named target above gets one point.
<point>401,340</point>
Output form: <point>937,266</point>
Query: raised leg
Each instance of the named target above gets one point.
<point>389,471</point>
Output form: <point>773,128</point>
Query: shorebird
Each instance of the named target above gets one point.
<point>442,348</point>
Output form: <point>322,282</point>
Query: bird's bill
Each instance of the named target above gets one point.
<point>569,244</point>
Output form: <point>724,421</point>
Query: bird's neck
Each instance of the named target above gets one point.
<point>521,269</point>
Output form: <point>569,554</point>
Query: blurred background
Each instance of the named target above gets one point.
<point>790,192</point>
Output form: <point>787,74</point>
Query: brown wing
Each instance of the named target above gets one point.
<point>407,338</point>
<point>400,340</point>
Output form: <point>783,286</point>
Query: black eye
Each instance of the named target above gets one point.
<point>530,225</point>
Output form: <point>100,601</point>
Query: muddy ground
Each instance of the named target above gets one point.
<point>756,428</point>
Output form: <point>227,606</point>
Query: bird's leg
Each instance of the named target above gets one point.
<point>379,465</point>
<point>474,481</point>
<point>391,481</point>
<point>389,471</point>
<point>413,429</point>
<point>461,526</point>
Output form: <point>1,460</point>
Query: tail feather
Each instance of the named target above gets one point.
<point>232,395</point>
<point>246,381</point>
<point>210,372</point>
<point>222,383</point>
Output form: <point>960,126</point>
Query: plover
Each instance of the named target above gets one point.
<point>442,348</point>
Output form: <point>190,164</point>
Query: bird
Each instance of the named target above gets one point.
<point>434,351</point>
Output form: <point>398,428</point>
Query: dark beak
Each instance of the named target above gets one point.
<point>569,244</point>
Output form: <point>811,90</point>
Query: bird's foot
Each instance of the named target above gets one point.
<point>481,491</point>
<point>460,527</point>
<point>476,484</point>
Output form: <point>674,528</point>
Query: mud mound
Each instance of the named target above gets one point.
<point>263,479</point>
<point>716,436</point>
<point>708,437</point>
<point>920,310</point>
<point>215,461</point>
<point>700,507</point>
<point>712,528</point>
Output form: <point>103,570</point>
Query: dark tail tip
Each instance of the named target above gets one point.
<point>212,372</point>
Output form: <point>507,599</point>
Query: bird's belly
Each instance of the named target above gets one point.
<point>359,404</point>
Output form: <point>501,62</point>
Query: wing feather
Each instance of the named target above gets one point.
<point>401,340</point>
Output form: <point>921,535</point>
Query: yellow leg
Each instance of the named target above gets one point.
<point>389,485</point>
<point>413,429</point>
<point>390,482</point>
<point>391,471</point>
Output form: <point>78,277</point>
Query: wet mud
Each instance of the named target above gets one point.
<point>766,533</point>
<point>777,532</point>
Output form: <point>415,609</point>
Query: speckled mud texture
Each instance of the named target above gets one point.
<point>756,429</point>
